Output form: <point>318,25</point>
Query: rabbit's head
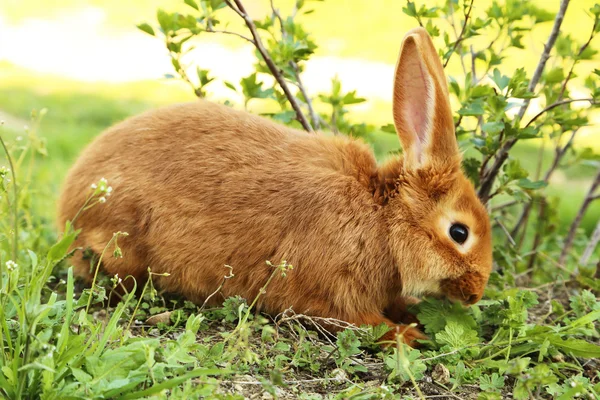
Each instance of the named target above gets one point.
<point>439,229</point>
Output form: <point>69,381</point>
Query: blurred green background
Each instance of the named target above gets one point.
<point>85,61</point>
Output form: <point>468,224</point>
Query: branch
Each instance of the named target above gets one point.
<point>461,36</point>
<point>314,118</point>
<point>594,239</point>
<point>589,198</point>
<point>275,71</point>
<point>559,154</point>
<point>554,105</point>
<point>210,30</point>
<point>502,155</point>
<point>546,53</point>
<point>538,234</point>
<point>579,53</point>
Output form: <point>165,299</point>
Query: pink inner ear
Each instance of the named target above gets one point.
<point>418,92</point>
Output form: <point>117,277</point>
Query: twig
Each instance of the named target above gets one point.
<point>594,239</point>
<point>554,105</point>
<point>490,176</point>
<point>211,30</point>
<point>579,53</point>
<point>314,118</point>
<point>559,154</point>
<point>538,234</point>
<point>506,232</point>
<point>504,205</point>
<point>225,278</point>
<point>275,71</point>
<point>577,221</point>
<point>460,37</point>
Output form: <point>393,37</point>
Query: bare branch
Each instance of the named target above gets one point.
<point>538,233</point>
<point>490,175</point>
<point>589,198</point>
<point>506,232</point>
<point>559,154</point>
<point>594,239</point>
<point>504,205</point>
<point>275,71</point>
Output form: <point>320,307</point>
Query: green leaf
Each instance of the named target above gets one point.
<point>80,375</point>
<point>492,127</point>
<point>456,336</point>
<point>348,344</point>
<point>171,383</point>
<point>473,109</point>
<point>60,249</point>
<point>491,382</point>
<point>350,98</point>
<point>515,171</point>
<point>577,347</point>
<point>389,128</point>
<point>585,320</point>
<point>145,27</point>
<point>434,314</point>
<point>192,3</point>
<point>500,80</point>
<point>403,363</point>
<point>527,184</point>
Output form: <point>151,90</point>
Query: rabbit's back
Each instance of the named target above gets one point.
<point>199,186</point>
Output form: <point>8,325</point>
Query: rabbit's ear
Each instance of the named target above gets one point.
<point>422,113</point>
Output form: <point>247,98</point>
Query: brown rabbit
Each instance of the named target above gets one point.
<point>198,186</point>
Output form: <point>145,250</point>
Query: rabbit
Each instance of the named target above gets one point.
<point>199,185</point>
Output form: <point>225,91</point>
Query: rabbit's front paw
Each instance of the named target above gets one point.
<point>408,334</point>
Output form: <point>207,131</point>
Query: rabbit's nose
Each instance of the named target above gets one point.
<point>471,299</point>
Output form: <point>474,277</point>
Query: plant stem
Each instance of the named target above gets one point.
<point>589,198</point>
<point>15,204</point>
<point>489,176</point>
<point>275,71</point>
<point>594,239</point>
<point>460,37</point>
<point>89,303</point>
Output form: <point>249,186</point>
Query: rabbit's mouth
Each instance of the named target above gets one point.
<point>467,288</point>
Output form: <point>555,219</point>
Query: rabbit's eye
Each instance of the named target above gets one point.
<point>459,233</point>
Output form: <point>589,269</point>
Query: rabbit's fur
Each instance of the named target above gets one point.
<point>199,186</point>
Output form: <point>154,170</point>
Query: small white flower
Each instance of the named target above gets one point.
<point>103,180</point>
<point>573,384</point>
<point>19,138</point>
<point>102,199</point>
<point>94,186</point>
<point>25,127</point>
<point>11,265</point>
<point>109,189</point>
